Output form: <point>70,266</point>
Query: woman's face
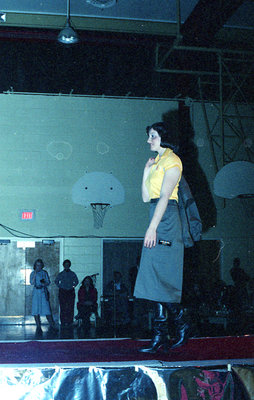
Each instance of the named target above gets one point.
<point>154,140</point>
<point>38,266</point>
<point>86,282</point>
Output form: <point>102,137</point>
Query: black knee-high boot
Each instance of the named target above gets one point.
<point>182,327</point>
<point>160,330</point>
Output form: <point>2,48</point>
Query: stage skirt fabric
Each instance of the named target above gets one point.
<point>160,273</point>
<point>40,305</point>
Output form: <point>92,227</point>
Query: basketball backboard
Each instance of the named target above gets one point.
<point>100,191</point>
<point>234,180</point>
<point>98,187</point>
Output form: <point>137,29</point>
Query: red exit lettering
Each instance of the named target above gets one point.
<point>27,215</point>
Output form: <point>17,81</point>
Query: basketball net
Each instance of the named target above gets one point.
<point>99,211</point>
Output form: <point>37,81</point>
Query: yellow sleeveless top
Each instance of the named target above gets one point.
<point>155,178</point>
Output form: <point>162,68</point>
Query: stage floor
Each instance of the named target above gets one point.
<point>70,364</point>
<point>14,329</point>
<point>21,345</point>
<point>20,332</point>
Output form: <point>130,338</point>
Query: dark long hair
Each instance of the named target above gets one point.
<point>40,261</point>
<point>90,281</point>
<point>167,140</point>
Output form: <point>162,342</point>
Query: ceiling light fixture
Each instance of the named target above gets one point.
<point>67,34</point>
<point>102,3</point>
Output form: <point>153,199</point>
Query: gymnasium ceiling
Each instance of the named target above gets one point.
<point>202,20</point>
<point>146,47</point>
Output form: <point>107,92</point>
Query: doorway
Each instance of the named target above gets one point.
<point>121,255</point>
<point>16,264</point>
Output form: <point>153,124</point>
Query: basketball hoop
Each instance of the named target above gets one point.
<point>99,211</point>
<point>246,196</point>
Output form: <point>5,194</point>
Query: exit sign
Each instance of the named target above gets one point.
<point>27,215</point>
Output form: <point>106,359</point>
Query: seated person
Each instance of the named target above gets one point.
<point>240,298</point>
<point>218,295</point>
<point>251,292</point>
<point>87,301</point>
<point>133,271</point>
<point>117,294</point>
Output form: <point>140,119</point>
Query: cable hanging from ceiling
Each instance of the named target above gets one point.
<point>67,35</point>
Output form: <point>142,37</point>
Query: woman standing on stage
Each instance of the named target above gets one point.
<point>161,268</point>
<point>40,298</point>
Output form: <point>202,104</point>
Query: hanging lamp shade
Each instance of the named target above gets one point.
<point>67,35</point>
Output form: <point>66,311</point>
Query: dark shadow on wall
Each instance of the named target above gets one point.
<point>178,122</point>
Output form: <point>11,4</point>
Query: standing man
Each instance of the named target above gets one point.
<point>66,281</point>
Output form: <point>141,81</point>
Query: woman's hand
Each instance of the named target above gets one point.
<point>169,181</point>
<point>150,238</point>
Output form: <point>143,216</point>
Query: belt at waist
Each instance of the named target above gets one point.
<point>171,201</point>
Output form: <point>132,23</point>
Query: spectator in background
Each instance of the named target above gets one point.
<point>66,281</point>
<point>133,271</point>
<point>240,278</point>
<point>134,304</point>
<point>219,295</point>
<point>117,293</point>
<point>40,299</point>
<point>251,292</point>
<point>87,301</point>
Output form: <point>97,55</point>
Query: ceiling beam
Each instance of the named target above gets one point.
<point>44,21</point>
<point>206,19</point>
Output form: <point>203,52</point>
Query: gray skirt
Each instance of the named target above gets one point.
<point>160,274</point>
